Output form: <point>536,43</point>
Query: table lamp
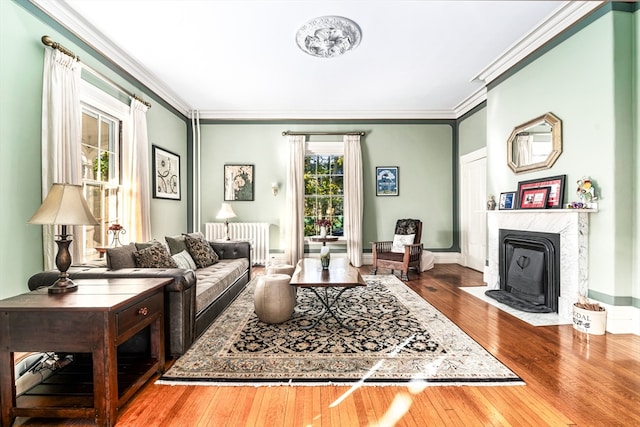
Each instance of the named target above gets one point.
<point>64,205</point>
<point>225,213</point>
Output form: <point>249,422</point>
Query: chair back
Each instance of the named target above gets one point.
<point>410,226</point>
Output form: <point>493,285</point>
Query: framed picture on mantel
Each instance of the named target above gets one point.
<point>555,199</point>
<point>507,200</point>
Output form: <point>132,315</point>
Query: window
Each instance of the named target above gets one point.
<point>101,137</point>
<point>324,192</point>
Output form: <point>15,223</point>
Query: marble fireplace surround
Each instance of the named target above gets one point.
<point>573,227</point>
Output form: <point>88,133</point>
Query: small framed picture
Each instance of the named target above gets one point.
<point>166,174</point>
<point>387,181</point>
<point>507,200</point>
<point>238,182</point>
<point>535,198</point>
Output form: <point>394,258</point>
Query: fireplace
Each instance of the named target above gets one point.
<point>573,228</point>
<point>529,264</point>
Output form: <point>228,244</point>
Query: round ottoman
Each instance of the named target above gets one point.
<point>280,269</point>
<point>273,298</point>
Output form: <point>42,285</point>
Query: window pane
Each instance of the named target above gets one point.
<point>310,185</point>
<point>90,129</point>
<point>323,165</point>
<point>336,165</point>
<point>310,206</point>
<point>310,165</point>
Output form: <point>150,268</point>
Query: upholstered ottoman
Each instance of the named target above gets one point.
<point>287,269</point>
<point>273,298</point>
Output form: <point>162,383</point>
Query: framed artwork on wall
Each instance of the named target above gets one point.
<point>387,181</point>
<point>238,182</point>
<point>556,190</point>
<point>507,200</point>
<point>166,174</point>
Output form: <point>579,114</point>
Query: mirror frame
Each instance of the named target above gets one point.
<point>556,140</point>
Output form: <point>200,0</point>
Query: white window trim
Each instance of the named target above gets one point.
<point>95,98</point>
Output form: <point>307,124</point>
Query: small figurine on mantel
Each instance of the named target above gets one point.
<point>587,193</point>
<point>491,203</point>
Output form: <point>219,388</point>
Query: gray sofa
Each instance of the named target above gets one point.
<point>192,301</point>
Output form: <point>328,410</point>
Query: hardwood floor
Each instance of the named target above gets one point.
<point>571,379</point>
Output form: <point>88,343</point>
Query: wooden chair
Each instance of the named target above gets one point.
<point>403,258</point>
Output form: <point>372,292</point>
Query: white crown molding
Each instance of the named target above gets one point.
<point>471,102</point>
<point>326,115</point>
<point>76,24</point>
<point>560,20</point>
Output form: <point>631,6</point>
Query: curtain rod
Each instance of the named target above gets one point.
<point>286,132</point>
<point>46,40</point>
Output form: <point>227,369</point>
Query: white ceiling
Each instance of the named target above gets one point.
<point>239,59</point>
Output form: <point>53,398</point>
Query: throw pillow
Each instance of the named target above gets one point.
<point>155,256</point>
<point>399,240</point>
<point>121,257</point>
<point>201,251</point>
<point>176,243</point>
<point>184,260</point>
<point>145,245</point>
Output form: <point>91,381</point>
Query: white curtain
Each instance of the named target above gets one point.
<point>523,153</point>
<point>353,197</point>
<point>135,176</point>
<point>294,222</point>
<point>61,137</point>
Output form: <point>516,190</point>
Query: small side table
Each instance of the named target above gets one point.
<point>323,240</point>
<point>101,250</point>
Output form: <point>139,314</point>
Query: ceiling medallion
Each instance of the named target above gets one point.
<point>328,36</point>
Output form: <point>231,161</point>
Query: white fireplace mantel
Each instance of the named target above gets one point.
<point>573,227</point>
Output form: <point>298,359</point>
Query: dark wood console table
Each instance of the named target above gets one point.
<point>93,321</point>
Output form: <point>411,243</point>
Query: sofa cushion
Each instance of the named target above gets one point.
<point>121,257</point>
<point>201,251</point>
<point>184,260</point>
<point>155,256</point>
<point>177,244</point>
<point>212,281</point>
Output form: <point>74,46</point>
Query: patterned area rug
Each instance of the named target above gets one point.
<point>397,338</point>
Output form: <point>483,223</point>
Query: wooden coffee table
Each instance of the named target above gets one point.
<point>341,274</point>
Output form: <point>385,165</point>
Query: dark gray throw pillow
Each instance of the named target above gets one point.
<point>121,257</point>
<point>201,251</point>
<point>177,244</point>
<point>155,256</point>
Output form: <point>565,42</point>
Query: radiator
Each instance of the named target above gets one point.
<point>256,233</point>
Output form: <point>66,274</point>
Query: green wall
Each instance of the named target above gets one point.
<point>473,130</point>
<point>21,64</point>
<point>423,151</point>
<point>587,81</point>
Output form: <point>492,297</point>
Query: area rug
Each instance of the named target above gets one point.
<point>397,338</point>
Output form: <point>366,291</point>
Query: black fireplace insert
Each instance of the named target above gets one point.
<point>529,270</point>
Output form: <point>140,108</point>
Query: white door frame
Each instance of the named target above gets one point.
<point>465,160</point>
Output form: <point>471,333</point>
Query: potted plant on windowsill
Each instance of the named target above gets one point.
<point>589,317</point>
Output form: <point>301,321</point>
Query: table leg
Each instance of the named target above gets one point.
<point>328,308</point>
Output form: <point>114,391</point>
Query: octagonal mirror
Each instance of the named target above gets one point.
<point>535,145</point>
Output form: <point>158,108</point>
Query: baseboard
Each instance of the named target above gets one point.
<point>622,319</point>
<point>439,258</point>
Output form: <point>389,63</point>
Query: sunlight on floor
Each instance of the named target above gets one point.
<point>402,401</point>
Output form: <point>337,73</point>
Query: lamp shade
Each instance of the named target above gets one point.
<point>64,205</point>
<point>226,212</point>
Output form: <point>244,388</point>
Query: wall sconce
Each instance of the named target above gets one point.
<point>274,188</point>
